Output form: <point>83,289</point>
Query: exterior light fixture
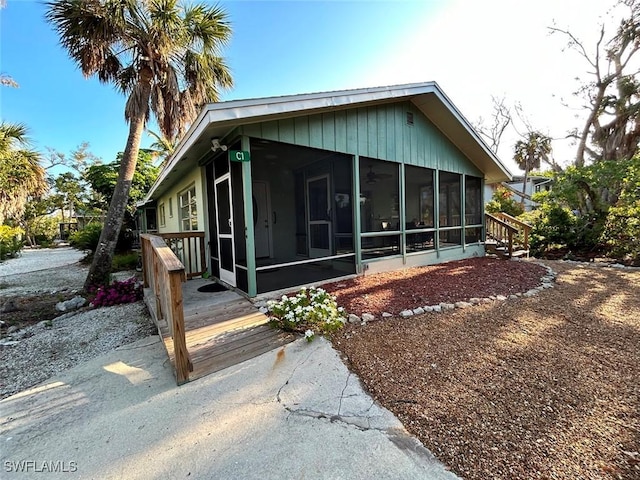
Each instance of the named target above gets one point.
<point>216,145</point>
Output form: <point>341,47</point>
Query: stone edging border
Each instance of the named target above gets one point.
<point>546,281</point>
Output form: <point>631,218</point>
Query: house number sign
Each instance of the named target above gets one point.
<point>239,156</point>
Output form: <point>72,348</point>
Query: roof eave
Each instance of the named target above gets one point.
<point>237,112</point>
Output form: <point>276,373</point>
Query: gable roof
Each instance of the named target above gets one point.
<point>216,120</point>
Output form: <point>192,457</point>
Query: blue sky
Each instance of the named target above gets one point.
<point>472,49</point>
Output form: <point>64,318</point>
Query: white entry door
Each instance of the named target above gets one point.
<point>224,219</point>
<point>319,215</point>
<point>262,219</point>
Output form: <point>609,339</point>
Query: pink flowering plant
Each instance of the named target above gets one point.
<point>309,311</point>
<point>126,291</point>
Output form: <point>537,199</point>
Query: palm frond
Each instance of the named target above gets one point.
<point>12,134</point>
<point>137,102</point>
<point>165,55</point>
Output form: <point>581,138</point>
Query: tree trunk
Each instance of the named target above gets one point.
<point>524,185</point>
<point>582,145</point>
<point>100,271</point>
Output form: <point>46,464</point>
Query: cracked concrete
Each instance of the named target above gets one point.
<point>296,412</point>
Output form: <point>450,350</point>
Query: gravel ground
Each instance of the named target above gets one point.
<point>47,348</point>
<point>33,354</point>
<point>32,260</point>
<point>46,270</point>
<point>544,387</point>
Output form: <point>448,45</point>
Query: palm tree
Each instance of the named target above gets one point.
<point>21,175</point>
<point>529,153</point>
<point>162,148</point>
<point>164,56</point>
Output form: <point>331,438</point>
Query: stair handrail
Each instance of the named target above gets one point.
<point>501,231</point>
<point>519,224</point>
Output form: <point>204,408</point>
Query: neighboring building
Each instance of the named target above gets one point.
<point>535,184</point>
<point>331,184</point>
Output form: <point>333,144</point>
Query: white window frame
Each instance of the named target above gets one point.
<point>187,199</point>
<point>161,215</point>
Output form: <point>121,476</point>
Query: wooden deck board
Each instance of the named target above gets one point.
<point>240,352</point>
<point>224,343</point>
<point>221,334</point>
<point>223,311</point>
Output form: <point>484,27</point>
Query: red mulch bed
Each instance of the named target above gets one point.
<point>448,282</point>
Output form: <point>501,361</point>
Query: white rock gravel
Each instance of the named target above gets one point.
<point>46,270</point>
<point>32,260</point>
<point>43,351</point>
<point>34,354</point>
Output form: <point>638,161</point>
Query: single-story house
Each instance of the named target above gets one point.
<point>304,188</point>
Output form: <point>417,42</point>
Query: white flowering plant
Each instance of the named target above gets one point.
<point>311,310</point>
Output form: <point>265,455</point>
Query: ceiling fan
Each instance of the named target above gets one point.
<point>373,177</point>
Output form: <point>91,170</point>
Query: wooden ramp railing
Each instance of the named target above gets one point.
<point>202,332</point>
<point>509,232</point>
<point>189,248</point>
<point>163,273</point>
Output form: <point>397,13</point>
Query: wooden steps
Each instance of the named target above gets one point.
<point>496,248</point>
<point>506,236</point>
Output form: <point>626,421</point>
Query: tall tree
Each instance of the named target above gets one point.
<point>162,148</point>
<point>529,153</point>
<point>21,175</point>
<point>500,119</point>
<point>68,194</point>
<point>612,128</point>
<point>103,179</point>
<point>165,56</point>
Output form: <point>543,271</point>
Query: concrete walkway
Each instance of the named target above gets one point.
<point>296,413</point>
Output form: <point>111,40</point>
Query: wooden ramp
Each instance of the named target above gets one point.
<point>221,329</point>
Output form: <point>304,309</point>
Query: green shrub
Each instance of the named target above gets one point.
<point>87,238</point>
<point>43,229</point>
<point>124,261</point>
<point>10,241</point>
<point>552,225</point>
<point>622,232</point>
<point>502,201</point>
<point>309,311</point>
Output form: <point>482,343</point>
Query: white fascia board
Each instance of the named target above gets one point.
<point>240,109</point>
<point>191,136</point>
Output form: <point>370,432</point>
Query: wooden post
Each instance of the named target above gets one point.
<point>145,276</point>
<point>181,356</point>
<point>156,289</point>
<point>203,256</point>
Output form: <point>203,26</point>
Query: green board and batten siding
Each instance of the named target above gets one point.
<point>379,131</point>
